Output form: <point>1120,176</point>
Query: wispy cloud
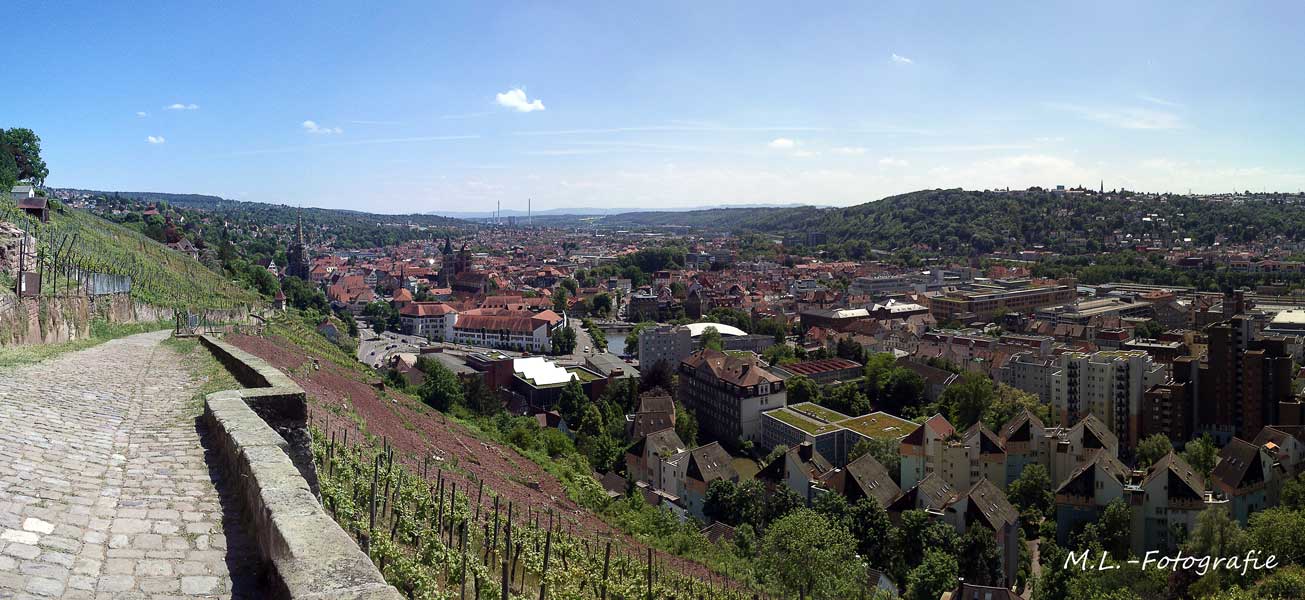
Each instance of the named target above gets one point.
<point>142,114</point>
<point>180,106</point>
<point>408,140</point>
<point>313,127</point>
<point>782,144</point>
<point>155,139</point>
<point>901,60</point>
<point>889,161</point>
<point>1123,117</point>
<point>1160,101</point>
<point>470,115</point>
<point>666,128</point>
<point>516,99</point>
<point>849,150</point>
<point>947,148</point>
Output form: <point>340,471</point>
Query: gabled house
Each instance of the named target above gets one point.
<point>800,469</point>
<point>920,449</point>
<point>705,465</point>
<point>864,477</point>
<point>1084,494</point>
<point>658,459</point>
<point>1246,475</point>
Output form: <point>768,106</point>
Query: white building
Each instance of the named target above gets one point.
<point>1109,384</point>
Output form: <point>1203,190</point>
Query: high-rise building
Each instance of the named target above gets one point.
<point>1244,380</point>
<point>1110,384</point>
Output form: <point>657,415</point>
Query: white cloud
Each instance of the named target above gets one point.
<point>901,60</point>
<point>889,161</point>
<point>155,139</point>
<point>1160,101</point>
<point>180,106</point>
<point>782,144</point>
<point>516,99</point>
<point>849,150</point>
<point>1124,117</point>
<point>313,127</point>
<point>142,114</point>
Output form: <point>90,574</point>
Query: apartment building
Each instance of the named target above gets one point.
<point>728,393</point>
<point>1109,384</point>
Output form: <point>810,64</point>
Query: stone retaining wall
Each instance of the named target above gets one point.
<point>262,440</point>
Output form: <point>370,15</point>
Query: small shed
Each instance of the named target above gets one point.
<point>36,206</point>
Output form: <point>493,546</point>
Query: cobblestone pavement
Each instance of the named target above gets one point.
<point>105,488</point>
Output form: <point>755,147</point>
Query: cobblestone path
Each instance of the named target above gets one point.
<point>105,487</point>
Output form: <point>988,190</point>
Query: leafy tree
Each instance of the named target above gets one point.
<point>1008,402</point>
<point>711,339</point>
<point>780,354</point>
<point>686,426</point>
<point>441,389</point>
<point>850,349</point>
<point>1031,494</point>
<point>802,389</point>
<point>916,533</point>
<point>1293,493</point>
<point>560,297</point>
<point>964,402</point>
<point>382,316</point>
<point>1112,532</point>
<point>721,501</point>
<point>562,340</point>
<point>1149,330</point>
<point>24,148</point>
<point>847,399</point>
<point>571,402</point>
<point>873,530</point>
<point>482,400</point>
<point>1278,531</point>
<point>1152,449</point>
<point>936,574</point>
<point>302,295</point>
<point>1202,454</point>
<point>570,285</point>
<point>804,554</point>
<point>602,305</point>
<point>899,387</point>
<point>979,557</point>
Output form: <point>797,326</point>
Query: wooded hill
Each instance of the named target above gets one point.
<point>962,222</point>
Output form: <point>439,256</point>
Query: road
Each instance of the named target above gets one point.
<point>106,487</point>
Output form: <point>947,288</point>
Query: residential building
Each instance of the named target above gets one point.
<point>704,465</point>
<point>982,302</point>
<point>728,393</point>
<point>431,320</point>
<point>1110,384</point>
<point>832,433</point>
<point>666,344</point>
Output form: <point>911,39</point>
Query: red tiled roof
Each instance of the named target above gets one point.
<point>426,309</point>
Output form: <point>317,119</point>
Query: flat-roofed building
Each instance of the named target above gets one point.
<point>987,301</point>
<point>825,371</point>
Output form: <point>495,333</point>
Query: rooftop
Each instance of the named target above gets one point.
<point>880,425</point>
<point>807,424</point>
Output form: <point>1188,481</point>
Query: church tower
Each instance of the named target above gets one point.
<point>296,259</point>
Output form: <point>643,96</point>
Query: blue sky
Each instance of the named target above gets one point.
<point>446,106</point>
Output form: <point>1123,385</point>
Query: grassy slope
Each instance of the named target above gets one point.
<point>166,277</point>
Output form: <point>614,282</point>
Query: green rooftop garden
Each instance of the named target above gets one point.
<point>812,409</point>
<point>806,424</point>
<point>880,425</point>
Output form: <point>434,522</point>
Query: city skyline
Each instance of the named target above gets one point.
<point>416,108</point>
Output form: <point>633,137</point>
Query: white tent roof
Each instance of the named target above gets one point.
<point>696,329</point>
<point>541,370</point>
